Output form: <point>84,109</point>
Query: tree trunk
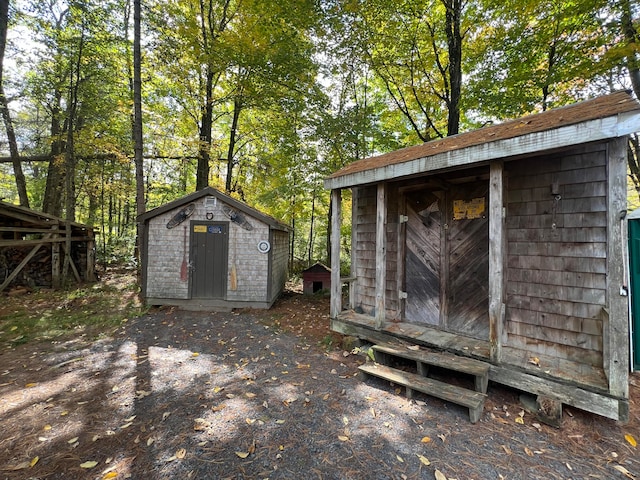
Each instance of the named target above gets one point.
<point>52,201</point>
<point>237,107</point>
<point>204,149</point>
<point>454,41</point>
<point>138,145</point>
<point>311,232</point>
<point>21,183</point>
<point>632,38</point>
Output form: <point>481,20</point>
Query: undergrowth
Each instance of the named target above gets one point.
<point>92,309</point>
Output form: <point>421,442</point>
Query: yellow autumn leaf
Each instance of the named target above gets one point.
<point>110,475</point>
<point>89,464</point>
<point>47,428</point>
<point>520,420</point>
<point>217,389</point>
<point>33,461</point>
<point>424,460</point>
<point>73,440</point>
<point>400,459</point>
<point>440,475</point>
<point>195,354</point>
<point>343,438</point>
<point>249,395</point>
<point>632,441</point>
<point>242,454</point>
<point>425,439</point>
<point>30,385</point>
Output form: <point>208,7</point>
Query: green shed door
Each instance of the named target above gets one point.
<point>209,259</point>
<point>634,277</point>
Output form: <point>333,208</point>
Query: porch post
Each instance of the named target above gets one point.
<point>496,260</point>
<point>336,221</point>
<point>615,346</point>
<point>381,250</point>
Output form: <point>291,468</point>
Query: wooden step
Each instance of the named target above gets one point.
<point>474,401</point>
<point>423,358</point>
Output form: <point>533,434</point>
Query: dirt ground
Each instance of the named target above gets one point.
<point>268,395</point>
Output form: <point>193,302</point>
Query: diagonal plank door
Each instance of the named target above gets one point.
<point>447,259</point>
<point>422,258</point>
<point>468,255</point>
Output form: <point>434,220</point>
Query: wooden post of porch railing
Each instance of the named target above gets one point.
<point>496,260</point>
<point>336,221</point>
<point>381,254</point>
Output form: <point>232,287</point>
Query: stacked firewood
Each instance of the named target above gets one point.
<point>36,273</point>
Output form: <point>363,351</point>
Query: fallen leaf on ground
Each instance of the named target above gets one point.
<point>425,439</point>
<point>440,475</point>
<point>632,441</point>
<point>33,461</point>
<point>424,460</point>
<point>624,471</point>
<point>343,438</point>
<point>242,454</point>
<point>89,464</point>
<point>181,453</point>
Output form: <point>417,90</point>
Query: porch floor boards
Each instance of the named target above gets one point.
<point>562,370</point>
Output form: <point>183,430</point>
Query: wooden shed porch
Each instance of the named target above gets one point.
<point>526,268</point>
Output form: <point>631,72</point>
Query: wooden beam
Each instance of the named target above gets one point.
<point>616,349</point>
<point>381,254</point>
<point>45,239</point>
<point>496,259</point>
<point>336,222</point>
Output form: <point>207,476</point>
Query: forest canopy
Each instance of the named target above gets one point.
<point>109,102</point>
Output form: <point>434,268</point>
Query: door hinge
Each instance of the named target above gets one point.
<point>403,219</point>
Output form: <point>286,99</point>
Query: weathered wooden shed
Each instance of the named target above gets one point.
<point>316,278</point>
<point>209,251</point>
<point>506,245</point>
<point>34,245</point>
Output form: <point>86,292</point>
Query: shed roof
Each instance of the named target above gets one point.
<point>210,191</point>
<point>13,215</point>
<point>317,268</point>
<point>600,118</point>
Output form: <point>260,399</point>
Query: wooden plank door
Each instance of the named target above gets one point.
<point>423,251</point>
<point>209,259</point>
<point>447,259</point>
<point>468,260</point>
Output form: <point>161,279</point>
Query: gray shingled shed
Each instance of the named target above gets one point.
<point>504,244</point>
<point>208,250</point>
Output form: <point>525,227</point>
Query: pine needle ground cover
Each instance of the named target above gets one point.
<point>260,395</point>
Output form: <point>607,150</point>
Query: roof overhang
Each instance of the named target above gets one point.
<point>557,138</point>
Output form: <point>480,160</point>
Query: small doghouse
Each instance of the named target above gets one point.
<point>316,278</point>
<point>208,250</point>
